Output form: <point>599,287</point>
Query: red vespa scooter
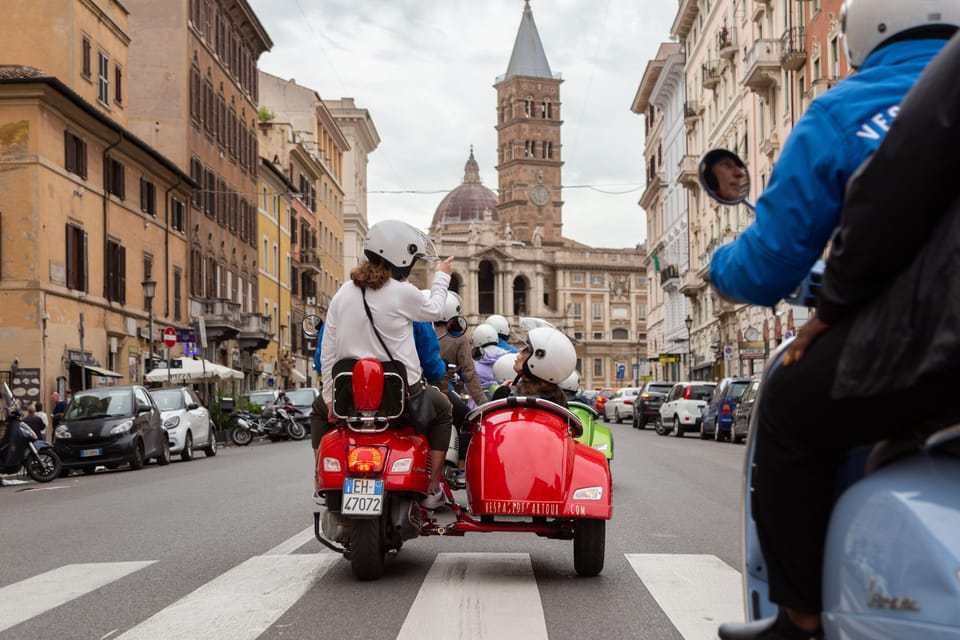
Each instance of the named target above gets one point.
<point>525,474</point>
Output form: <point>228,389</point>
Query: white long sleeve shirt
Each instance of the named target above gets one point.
<point>395,307</point>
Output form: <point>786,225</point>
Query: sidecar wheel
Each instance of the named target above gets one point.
<point>366,549</point>
<point>588,546</point>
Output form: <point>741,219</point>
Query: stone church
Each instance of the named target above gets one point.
<point>511,255</point>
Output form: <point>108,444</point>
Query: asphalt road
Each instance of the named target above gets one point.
<point>220,548</point>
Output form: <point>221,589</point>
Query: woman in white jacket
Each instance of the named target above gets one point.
<point>391,248</point>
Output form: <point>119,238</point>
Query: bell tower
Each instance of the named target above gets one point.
<point>528,137</point>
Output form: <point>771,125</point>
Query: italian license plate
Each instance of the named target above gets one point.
<point>91,453</point>
<point>362,497</point>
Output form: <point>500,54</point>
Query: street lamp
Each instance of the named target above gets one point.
<point>689,322</point>
<point>149,290</point>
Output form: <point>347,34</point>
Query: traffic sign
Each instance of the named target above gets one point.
<point>621,371</point>
<point>170,336</point>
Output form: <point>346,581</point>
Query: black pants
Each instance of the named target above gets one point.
<point>805,437</point>
<point>460,411</point>
<point>319,424</point>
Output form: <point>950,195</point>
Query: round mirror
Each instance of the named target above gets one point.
<point>311,325</point>
<point>457,326</point>
<point>724,177</point>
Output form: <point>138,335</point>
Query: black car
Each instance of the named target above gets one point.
<point>646,407</point>
<point>111,426</point>
<point>743,412</point>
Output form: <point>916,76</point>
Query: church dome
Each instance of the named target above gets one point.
<point>469,201</point>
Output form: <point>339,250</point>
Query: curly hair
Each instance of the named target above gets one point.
<point>371,275</point>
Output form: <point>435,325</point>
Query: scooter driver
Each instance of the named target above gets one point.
<point>547,359</point>
<point>805,437</point>
<point>379,284</point>
<point>502,326</point>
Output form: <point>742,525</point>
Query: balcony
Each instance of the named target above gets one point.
<point>256,332</point>
<point>693,283</point>
<point>691,114</point>
<point>310,260</point>
<point>761,66</point>
<point>760,7</point>
<point>722,308</point>
<point>222,319</point>
<point>653,188</point>
<point>820,85</point>
<point>689,172</point>
<point>670,277</point>
<point>727,42</point>
<point>711,73</point>
<point>770,145</point>
<point>793,49</point>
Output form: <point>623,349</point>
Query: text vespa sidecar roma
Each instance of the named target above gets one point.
<point>525,471</point>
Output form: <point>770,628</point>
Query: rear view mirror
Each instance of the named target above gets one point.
<point>724,177</point>
<point>457,326</point>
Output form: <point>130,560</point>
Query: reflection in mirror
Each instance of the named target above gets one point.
<point>724,177</point>
<point>457,326</point>
<point>311,325</point>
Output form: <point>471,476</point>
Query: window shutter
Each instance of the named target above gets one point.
<point>84,279</point>
<point>69,152</point>
<point>71,258</point>
<point>122,273</point>
<point>82,155</point>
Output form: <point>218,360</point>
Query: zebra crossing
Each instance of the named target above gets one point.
<point>475,596</point>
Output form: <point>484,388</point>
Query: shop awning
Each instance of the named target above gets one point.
<point>297,376</point>
<point>97,371</point>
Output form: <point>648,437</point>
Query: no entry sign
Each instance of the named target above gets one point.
<point>170,336</point>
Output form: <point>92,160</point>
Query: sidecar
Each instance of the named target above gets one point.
<point>595,434</point>
<point>526,472</point>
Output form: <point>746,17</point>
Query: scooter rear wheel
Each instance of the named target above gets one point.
<point>589,535</point>
<point>366,549</point>
<point>43,467</point>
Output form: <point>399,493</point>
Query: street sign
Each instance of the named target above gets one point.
<point>170,336</point>
<point>621,371</point>
<point>186,335</point>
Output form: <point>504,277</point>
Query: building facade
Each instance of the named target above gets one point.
<point>89,210</point>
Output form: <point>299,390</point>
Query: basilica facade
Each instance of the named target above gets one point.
<point>511,256</point>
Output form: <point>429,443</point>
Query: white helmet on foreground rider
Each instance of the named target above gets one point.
<point>503,372</point>
<point>571,383</point>
<point>869,24</point>
<point>552,356</point>
<point>399,245</point>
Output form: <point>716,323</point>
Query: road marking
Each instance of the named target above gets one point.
<point>697,592</point>
<point>31,597</point>
<point>293,543</point>
<point>239,604</point>
<point>477,596</point>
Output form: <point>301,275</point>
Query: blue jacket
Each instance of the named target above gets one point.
<point>428,350</point>
<point>506,346</point>
<point>800,208</point>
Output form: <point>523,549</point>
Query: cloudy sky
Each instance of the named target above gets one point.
<point>425,70</point>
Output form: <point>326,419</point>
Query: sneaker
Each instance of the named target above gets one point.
<point>459,479</point>
<point>434,500</point>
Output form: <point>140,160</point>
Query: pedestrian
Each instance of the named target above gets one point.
<point>59,407</point>
<point>43,416</point>
<point>34,421</point>
<point>804,438</point>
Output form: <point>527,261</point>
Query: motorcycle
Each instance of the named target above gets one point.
<point>372,471</point>
<point>275,423</point>
<point>36,456</point>
<point>890,566</point>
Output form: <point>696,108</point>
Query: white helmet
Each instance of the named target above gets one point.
<point>484,336</point>
<point>499,323</point>
<point>398,244</point>
<point>866,24</point>
<point>451,306</point>
<point>503,371</point>
<point>571,383</point>
<point>553,358</point>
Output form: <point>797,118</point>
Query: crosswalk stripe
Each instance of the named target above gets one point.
<point>697,592</point>
<point>31,597</point>
<point>477,596</point>
<point>293,543</point>
<point>239,604</point>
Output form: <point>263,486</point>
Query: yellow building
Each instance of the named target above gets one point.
<point>88,211</point>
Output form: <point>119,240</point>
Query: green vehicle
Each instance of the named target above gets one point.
<point>594,434</point>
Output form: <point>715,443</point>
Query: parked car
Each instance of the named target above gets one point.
<point>718,414</point>
<point>263,398</point>
<point>111,426</point>
<point>646,406</point>
<point>602,396</point>
<point>187,421</point>
<point>744,411</point>
<point>620,405</point>
<point>680,411</point>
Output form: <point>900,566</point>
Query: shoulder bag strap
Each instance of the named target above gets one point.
<point>366,307</point>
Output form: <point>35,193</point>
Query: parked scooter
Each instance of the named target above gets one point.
<point>893,541</point>
<point>35,456</point>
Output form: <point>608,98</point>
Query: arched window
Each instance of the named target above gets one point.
<point>520,296</point>
<point>528,107</point>
<point>486,287</point>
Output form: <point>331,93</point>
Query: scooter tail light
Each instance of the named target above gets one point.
<point>366,459</point>
<point>367,385</point>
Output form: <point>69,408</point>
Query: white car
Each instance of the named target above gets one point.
<point>186,421</point>
<point>619,406</point>
<point>680,411</point>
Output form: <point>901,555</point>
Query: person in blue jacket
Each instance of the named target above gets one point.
<point>890,42</point>
<point>502,326</point>
<point>428,350</point>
